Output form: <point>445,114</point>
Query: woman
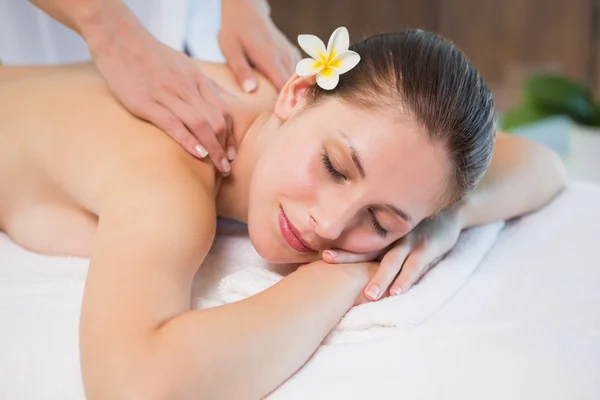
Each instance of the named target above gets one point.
<point>395,148</point>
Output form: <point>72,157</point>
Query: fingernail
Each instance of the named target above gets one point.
<point>396,291</point>
<point>373,292</point>
<point>332,253</point>
<point>249,85</point>
<point>226,166</point>
<point>201,151</point>
<point>231,153</point>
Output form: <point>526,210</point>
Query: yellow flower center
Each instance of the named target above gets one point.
<point>327,61</point>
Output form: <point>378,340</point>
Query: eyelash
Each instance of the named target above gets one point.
<point>380,230</point>
<point>335,174</point>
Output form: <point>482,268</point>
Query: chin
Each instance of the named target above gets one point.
<point>267,247</point>
<point>273,250</point>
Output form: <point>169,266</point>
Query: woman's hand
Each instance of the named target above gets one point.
<point>359,272</point>
<point>248,37</point>
<point>409,258</point>
<point>160,85</point>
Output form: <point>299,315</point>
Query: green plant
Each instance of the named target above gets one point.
<point>547,95</point>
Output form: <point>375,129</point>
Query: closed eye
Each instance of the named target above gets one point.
<point>335,174</point>
<point>381,231</point>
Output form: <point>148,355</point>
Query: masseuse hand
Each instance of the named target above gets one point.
<point>164,87</point>
<point>409,258</point>
<point>248,37</point>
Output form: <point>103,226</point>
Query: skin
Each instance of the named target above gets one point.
<point>80,175</point>
<point>164,86</point>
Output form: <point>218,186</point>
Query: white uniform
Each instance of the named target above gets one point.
<point>28,36</point>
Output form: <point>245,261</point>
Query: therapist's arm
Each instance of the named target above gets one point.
<point>153,81</point>
<point>249,39</point>
<point>69,12</point>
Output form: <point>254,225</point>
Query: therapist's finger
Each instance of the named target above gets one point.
<point>170,124</point>
<point>238,62</point>
<point>290,59</point>
<point>199,122</point>
<point>272,68</point>
<point>210,92</point>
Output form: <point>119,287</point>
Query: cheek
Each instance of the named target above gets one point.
<point>362,240</point>
<point>286,173</point>
<point>294,171</point>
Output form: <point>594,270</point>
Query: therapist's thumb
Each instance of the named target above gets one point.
<point>238,62</point>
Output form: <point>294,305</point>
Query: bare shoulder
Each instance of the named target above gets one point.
<point>172,207</point>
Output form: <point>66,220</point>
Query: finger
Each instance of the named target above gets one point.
<point>345,257</point>
<point>206,113</point>
<point>238,62</point>
<point>170,124</point>
<point>414,267</point>
<point>204,133</point>
<point>273,70</point>
<point>210,92</point>
<point>208,107</point>
<point>290,60</point>
<point>212,95</point>
<point>389,267</point>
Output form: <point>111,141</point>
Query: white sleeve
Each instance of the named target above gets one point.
<point>28,36</point>
<point>202,27</point>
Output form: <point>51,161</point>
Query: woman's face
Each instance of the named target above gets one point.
<point>337,176</point>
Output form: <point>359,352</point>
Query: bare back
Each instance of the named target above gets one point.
<point>64,143</point>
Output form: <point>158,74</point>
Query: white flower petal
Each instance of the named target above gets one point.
<point>328,80</point>
<point>308,67</point>
<point>345,61</point>
<point>338,42</point>
<point>313,46</point>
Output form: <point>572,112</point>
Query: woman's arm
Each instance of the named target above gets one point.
<point>522,177</point>
<point>139,338</point>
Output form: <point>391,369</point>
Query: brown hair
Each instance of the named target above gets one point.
<point>436,85</point>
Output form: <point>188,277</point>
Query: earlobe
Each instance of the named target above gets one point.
<point>293,96</point>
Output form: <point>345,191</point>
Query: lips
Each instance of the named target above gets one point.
<point>291,234</point>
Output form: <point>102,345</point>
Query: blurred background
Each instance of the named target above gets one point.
<point>505,39</point>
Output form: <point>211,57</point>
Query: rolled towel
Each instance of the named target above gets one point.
<point>398,312</point>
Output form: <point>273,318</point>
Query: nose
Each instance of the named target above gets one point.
<point>330,219</point>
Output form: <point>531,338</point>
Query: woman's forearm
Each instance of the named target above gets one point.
<point>246,349</point>
<point>522,177</point>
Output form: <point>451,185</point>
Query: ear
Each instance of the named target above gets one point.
<point>293,96</point>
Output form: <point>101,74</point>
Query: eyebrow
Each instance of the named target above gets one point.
<point>361,171</point>
<point>400,213</point>
<point>353,154</point>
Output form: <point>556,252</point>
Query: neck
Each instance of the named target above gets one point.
<point>232,198</point>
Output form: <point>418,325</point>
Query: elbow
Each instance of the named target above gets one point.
<point>155,379</point>
<point>555,171</point>
<point>141,382</point>
<point>550,172</point>
<point>122,375</point>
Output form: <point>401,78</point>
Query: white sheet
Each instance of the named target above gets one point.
<point>526,325</point>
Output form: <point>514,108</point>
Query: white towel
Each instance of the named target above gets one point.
<point>399,312</point>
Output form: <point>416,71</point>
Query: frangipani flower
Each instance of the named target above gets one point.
<point>327,63</point>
